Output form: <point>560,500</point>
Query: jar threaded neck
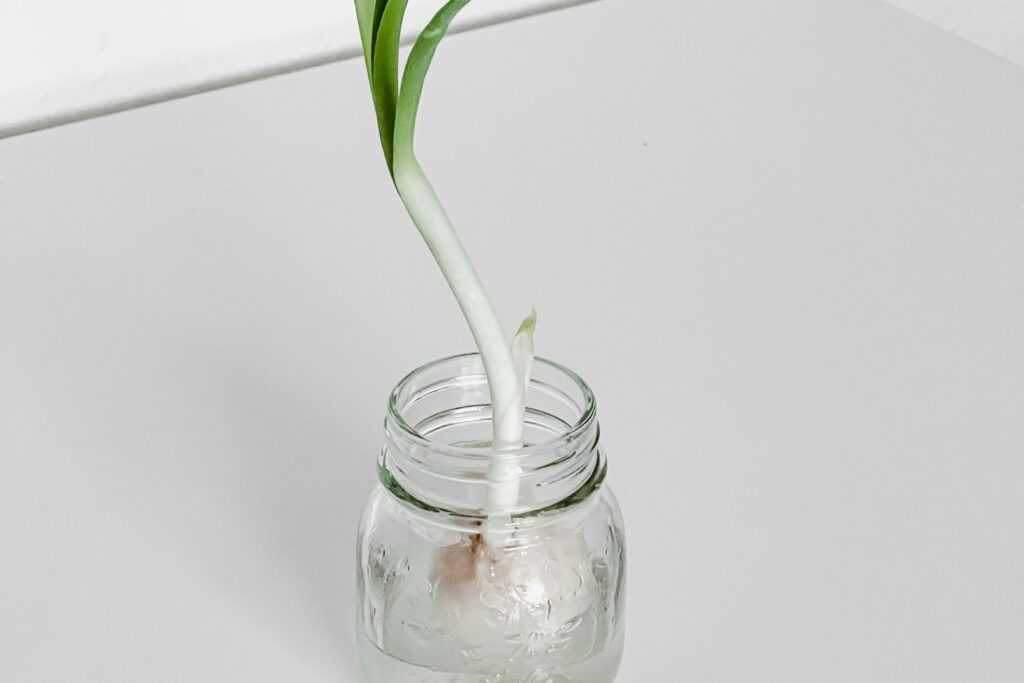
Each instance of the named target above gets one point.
<point>437,439</point>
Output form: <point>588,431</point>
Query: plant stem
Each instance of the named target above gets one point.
<point>433,223</point>
<point>507,368</point>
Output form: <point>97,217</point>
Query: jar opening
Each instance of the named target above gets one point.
<point>560,405</point>
<point>438,434</point>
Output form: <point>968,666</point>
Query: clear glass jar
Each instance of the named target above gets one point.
<point>448,595</point>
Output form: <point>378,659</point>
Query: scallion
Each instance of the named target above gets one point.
<point>396,101</point>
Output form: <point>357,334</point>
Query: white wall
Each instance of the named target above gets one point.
<point>781,240</point>
<point>62,60</point>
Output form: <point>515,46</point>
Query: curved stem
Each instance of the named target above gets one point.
<point>433,223</point>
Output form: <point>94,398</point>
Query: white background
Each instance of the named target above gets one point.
<point>783,241</point>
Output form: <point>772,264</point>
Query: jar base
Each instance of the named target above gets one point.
<point>379,667</point>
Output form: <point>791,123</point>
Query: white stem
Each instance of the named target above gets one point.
<point>436,228</point>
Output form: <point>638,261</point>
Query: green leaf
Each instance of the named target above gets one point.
<point>378,15</point>
<point>365,16</point>
<point>380,28</point>
<point>385,72</point>
<point>415,74</point>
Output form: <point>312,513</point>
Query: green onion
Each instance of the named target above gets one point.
<point>507,365</point>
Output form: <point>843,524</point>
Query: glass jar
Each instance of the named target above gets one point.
<point>450,595</point>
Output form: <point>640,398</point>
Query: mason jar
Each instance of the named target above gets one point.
<point>449,594</point>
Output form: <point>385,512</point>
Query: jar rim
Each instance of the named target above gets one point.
<point>575,431</point>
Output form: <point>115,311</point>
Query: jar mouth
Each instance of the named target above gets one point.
<point>406,393</point>
<point>437,451</point>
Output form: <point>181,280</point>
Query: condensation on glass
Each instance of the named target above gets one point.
<point>447,595</point>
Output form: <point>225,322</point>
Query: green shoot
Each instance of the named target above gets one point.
<point>397,103</point>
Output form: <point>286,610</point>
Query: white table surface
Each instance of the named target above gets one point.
<point>783,241</point>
